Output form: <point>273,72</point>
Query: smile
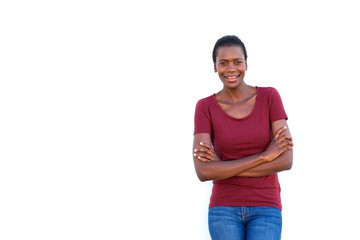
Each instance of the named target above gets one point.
<point>231,78</point>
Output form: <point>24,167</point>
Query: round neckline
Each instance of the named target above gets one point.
<point>239,119</point>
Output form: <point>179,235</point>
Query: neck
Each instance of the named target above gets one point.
<point>235,94</point>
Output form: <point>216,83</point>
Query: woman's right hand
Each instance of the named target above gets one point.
<point>278,145</point>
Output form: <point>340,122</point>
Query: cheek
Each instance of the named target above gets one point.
<point>221,75</point>
<point>221,70</point>
<point>243,68</point>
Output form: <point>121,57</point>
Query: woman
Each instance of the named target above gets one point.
<point>241,142</point>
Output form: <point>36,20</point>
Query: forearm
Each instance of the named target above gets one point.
<point>209,167</point>
<point>220,170</point>
<point>281,163</point>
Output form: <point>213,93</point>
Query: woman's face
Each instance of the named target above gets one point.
<point>230,65</point>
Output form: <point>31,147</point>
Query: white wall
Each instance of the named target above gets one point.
<point>96,113</point>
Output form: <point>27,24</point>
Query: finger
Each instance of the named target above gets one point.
<point>284,137</point>
<point>279,131</point>
<point>207,146</point>
<point>204,156</point>
<point>203,159</point>
<point>204,150</point>
<point>287,143</point>
<point>288,147</point>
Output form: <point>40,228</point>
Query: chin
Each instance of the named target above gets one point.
<point>232,85</point>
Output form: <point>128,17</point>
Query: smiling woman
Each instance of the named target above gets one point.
<point>241,142</point>
<point>231,65</point>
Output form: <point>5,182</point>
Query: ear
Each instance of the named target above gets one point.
<point>246,66</point>
<point>215,69</point>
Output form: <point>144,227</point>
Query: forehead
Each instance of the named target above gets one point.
<point>230,52</point>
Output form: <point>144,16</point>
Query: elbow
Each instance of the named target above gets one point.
<point>204,174</point>
<point>206,171</point>
<point>286,160</point>
<point>289,162</point>
<point>202,177</point>
<point>288,165</point>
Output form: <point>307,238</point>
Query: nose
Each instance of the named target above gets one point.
<point>230,67</point>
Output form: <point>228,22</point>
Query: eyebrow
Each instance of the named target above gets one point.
<point>236,59</point>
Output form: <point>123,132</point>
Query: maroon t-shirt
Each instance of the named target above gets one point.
<point>235,138</point>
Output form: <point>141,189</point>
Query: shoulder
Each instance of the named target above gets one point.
<point>268,91</point>
<point>207,99</point>
<point>205,102</point>
<point>203,115</point>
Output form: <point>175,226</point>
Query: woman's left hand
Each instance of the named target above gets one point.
<point>206,153</point>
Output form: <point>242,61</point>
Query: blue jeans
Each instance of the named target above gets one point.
<point>240,223</point>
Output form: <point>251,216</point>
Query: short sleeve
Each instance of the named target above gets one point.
<point>276,107</point>
<point>202,120</point>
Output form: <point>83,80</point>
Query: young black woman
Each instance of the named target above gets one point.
<point>241,142</point>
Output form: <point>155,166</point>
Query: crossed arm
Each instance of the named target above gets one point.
<point>277,157</point>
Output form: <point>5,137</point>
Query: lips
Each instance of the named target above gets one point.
<point>231,78</point>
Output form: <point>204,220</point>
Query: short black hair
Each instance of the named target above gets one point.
<point>228,40</point>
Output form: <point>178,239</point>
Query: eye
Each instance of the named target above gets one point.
<point>238,62</point>
<point>222,63</point>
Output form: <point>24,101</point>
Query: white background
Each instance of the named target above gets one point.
<point>96,113</point>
